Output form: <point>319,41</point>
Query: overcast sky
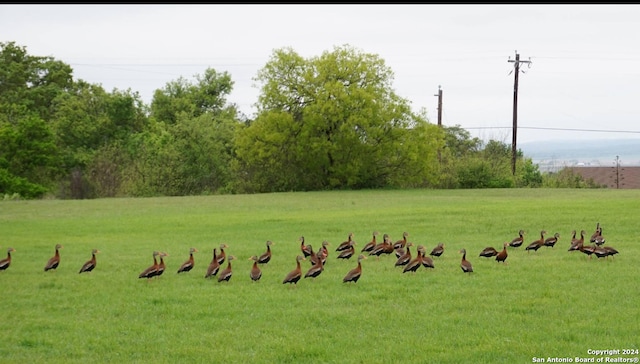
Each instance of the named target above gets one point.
<point>583,81</point>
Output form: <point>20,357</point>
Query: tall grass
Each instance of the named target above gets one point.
<point>549,303</point>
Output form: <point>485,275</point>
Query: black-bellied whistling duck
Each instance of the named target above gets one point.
<point>325,251</point>
<point>427,261</point>
<point>213,267</point>
<point>414,264</point>
<point>6,262</point>
<point>370,245</point>
<point>91,263</point>
<point>438,250</point>
<point>151,271</point>
<point>305,249</point>
<point>465,265</point>
<point>405,258</point>
<point>266,256</point>
<point>595,233</point>
<point>502,255</point>
<point>576,244</point>
<point>54,261</point>
<point>488,252</point>
<point>316,269</point>
<point>399,251</point>
<point>574,240</point>
<point>402,242</point>
<point>294,276</point>
<point>226,273</point>
<point>599,251</point>
<point>354,274</point>
<point>161,265</point>
<point>388,247</point>
<point>551,241</point>
<point>599,239</point>
<point>588,250</point>
<point>315,256</point>
<point>320,255</point>
<point>610,251</point>
<point>538,243</point>
<point>255,272</point>
<point>348,252</point>
<point>190,263</point>
<point>345,244</point>
<point>516,242</point>
<point>223,255</point>
<point>378,248</point>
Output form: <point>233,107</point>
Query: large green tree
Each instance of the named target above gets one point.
<point>88,122</point>
<point>29,160</point>
<point>188,147</point>
<point>30,83</point>
<point>334,121</point>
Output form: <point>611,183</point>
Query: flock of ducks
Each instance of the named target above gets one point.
<point>346,250</point>
<point>596,248</point>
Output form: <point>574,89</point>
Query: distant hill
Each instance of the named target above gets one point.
<point>551,156</point>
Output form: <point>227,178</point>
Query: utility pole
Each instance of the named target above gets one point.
<point>439,106</point>
<point>439,117</point>
<point>515,110</point>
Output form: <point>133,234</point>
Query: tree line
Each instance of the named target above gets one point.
<point>327,122</point>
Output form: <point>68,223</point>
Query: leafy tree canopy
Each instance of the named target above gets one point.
<point>334,121</point>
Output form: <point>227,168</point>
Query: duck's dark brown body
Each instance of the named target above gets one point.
<point>538,243</point>
<point>266,256</point>
<point>255,274</point>
<point>385,247</point>
<point>405,258</point>
<point>348,252</point>
<point>354,274</point>
<point>153,269</point>
<point>214,266</point>
<point>90,264</point>
<point>438,250</point>
<point>488,252</point>
<point>223,255</point>
<point>226,273</point>
<point>294,276</point>
<point>516,242</point>
<point>161,265</point>
<point>465,265</point>
<point>551,241</point>
<point>502,255</point>
<point>402,242</point>
<point>305,249</point>
<point>427,261</point>
<point>315,270</point>
<point>6,262</point>
<point>54,261</point>
<point>190,263</point>
<point>414,264</point>
<point>345,244</point>
<point>370,245</point>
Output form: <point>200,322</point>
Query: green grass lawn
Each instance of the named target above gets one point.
<point>549,303</point>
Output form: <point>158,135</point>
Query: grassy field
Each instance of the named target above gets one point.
<point>546,304</point>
